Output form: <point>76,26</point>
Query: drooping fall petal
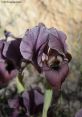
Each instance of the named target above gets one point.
<point>56,77</point>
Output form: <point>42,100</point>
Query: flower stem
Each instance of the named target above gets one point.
<point>20,87</point>
<point>47,101</point>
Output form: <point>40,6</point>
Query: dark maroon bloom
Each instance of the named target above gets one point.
<point>42,45</point>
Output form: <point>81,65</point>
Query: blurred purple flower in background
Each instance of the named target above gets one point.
<point>26,104</point>
<point>79,113</point>
<point>10,60</point>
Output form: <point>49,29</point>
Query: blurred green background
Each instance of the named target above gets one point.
<point>65,15</point>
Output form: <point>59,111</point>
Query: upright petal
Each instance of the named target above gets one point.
<point>31,46</point>
<point>11,51</point>
<point>57,40</point>
<point>27,45</point>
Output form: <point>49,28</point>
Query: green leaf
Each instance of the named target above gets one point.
<point>47,101</point>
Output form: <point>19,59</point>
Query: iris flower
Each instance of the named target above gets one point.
<point>46,49</point>
<point>10,60</point>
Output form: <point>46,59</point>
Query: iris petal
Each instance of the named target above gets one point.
<point>11,51</point>
<point>56,77</point>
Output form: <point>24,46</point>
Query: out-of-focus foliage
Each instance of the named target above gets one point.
<point>62,14</point>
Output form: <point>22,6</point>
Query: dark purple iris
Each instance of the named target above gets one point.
<point>44,47</point>
<point>10,60</point>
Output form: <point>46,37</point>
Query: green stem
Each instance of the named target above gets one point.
<point>20,87</point>
<point>47,101</point>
